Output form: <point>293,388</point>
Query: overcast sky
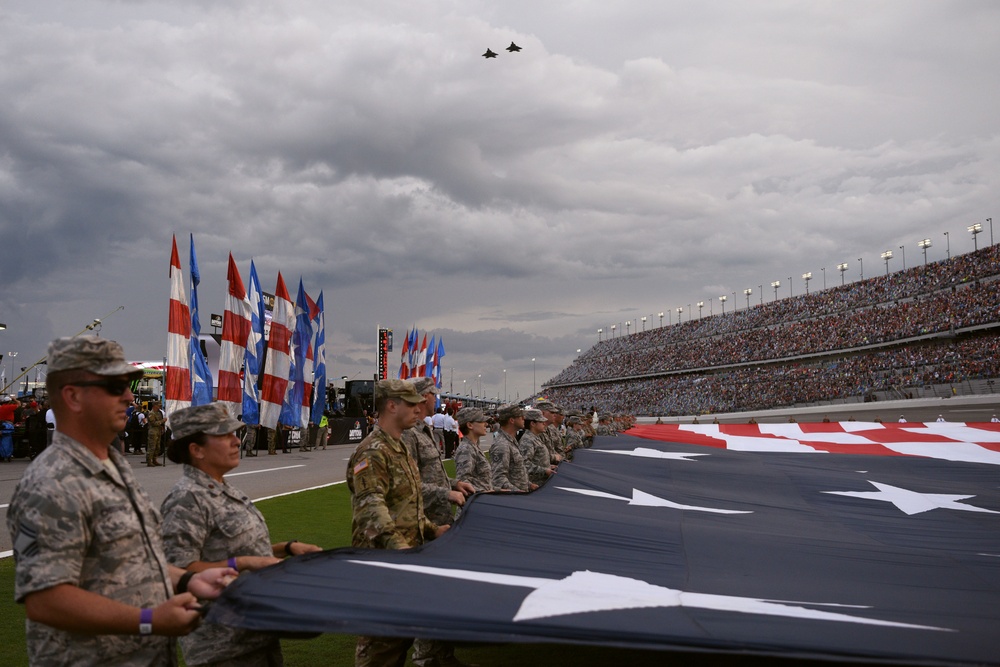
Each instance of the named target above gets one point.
<point>634,157</point>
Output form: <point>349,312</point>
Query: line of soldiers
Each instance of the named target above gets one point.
<point>402,497</point>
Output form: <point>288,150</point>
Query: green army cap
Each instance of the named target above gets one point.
<point>99,356</point>
<point>424,385</point>
<point>402,389</point>
<point>210,419</point>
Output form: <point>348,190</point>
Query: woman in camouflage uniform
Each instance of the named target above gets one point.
<point>470,463</point>
<point>207,522</point>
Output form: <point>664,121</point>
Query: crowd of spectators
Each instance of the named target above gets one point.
<point>913,328</point>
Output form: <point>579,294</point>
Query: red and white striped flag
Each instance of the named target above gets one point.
<point>235,331</point>
<point>422,359</point>
<point>278,363</point>
<point>177,389</point>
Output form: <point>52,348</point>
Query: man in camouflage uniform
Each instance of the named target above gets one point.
<point>387,505</point>
<point>440,494</point>
<point>574,433</point>
<point>155,434</point>
<point>506,462</point>
<point>91,572</point>
<point>439,491</point>
<point>552,436</point>
<point>537,460</point>
<point>470,463</point>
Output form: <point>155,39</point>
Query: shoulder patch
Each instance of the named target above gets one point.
<point>360,466</point>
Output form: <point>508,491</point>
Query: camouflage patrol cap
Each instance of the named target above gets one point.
<point>424,385</point>
<point>469,415</point>
<point>549,406</point>
<point>99,356</point>
<point>210,419</point>
<point>574,419</point>
<point>402,389</point>
<point>533,415</point>
<point>508,412</point>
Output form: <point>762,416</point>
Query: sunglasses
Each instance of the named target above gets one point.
<point>114,386</point>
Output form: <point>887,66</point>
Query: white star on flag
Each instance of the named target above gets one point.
<point>643,499</point>
<point>586,591</point>
<point>913,502</point>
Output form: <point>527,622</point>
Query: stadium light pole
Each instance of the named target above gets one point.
<point>990,220</point>
<point>613,327</point>
<point>776,284</point>
<point>701,304</point>
<point>505,385</point>
<point>790,287</point>
<point>680,310</point>
<point>842,267</point>
<point>661,319</point>
<point>532,376</point>
<point>599,332</point>
<point>902,250</point>
<point>628,326</point>
<point>722,299</point>
<point>807,276</point>
<point>947,240</point>
<point>824,277</point>
<point>924,245</point>
<point>644,323</point>
<point>861,261</point>
<point>761,293</point>
<point>887,255</point>
<point>975,230</point>
<point>747,292</point>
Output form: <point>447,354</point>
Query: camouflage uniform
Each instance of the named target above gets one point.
<point>388,513</point>
<point>204,520</point>
<point>471,466</point>
<point>434,481</point>
<point>603,428</point>
<point>75,522</point>
<point>388,509</point>
<point>155,434</point>
<point>556,441</point>
<point>507,464</point>
<point>536,456</point>
<point>574,439</point>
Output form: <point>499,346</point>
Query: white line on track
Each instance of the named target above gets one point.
<point>292,493</point>
<point>254,472</point>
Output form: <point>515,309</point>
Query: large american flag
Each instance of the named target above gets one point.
<point>844,541</point>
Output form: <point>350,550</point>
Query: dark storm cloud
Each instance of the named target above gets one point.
<point>691,152</point>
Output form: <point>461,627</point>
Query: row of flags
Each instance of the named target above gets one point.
<point>275,391</point>
<point>420,359</point>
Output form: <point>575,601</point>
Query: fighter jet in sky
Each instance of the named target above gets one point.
<point>489,54</point>
<point>513,47</point>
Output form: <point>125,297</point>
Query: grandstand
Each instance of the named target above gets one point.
<point>928,330</point>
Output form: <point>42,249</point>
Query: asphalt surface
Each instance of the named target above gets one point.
<point>259,477</point>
